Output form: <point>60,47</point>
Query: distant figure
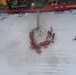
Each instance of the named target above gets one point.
<point>50,27</point>
<point>53,36</point>
<point>40,33</point>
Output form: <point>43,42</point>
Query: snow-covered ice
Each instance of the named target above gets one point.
<point>16,58</point>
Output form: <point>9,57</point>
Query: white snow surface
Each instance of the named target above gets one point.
<point>16,58</point>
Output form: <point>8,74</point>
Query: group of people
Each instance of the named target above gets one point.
<point>50,35</point>
<point>37,46</point>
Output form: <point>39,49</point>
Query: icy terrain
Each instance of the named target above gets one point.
<point>16,58</point>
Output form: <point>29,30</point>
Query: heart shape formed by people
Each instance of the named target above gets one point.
<point>37,46</point>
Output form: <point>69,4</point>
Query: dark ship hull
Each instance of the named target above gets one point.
<point>45,8</point>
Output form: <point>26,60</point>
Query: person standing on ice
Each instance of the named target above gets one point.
<point>53,36</point>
